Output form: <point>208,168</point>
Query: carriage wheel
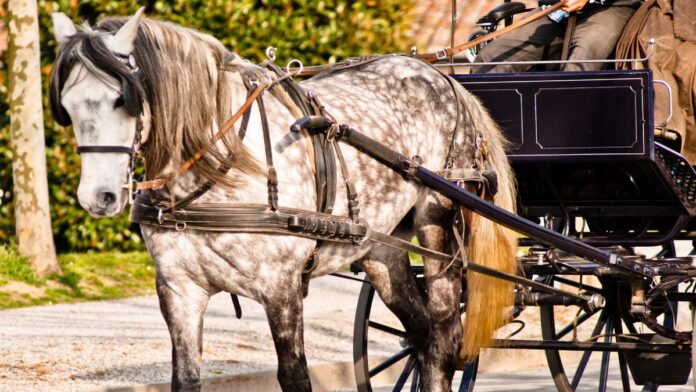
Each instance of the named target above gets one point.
<point>601,323</point>
<point>573,370</point>
<point>383,338</point>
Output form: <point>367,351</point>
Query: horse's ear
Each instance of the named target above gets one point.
<point>122,41</point>
<point>63,27</point>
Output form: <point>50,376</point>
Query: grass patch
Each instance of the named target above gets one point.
<point>85,277</point>
<point>14,267</point>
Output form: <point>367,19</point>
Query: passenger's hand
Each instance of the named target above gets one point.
<point>574,5</point>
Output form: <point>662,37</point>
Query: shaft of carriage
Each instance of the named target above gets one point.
<point>412,169</point>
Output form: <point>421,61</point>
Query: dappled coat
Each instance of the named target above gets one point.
<point>673,24</point>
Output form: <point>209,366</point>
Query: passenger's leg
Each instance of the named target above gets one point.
<point>596,35</point>
<point>523,44</point>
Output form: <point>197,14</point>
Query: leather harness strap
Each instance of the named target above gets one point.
<point>324,158</point>
<point>272,175</point>
<point>449,52</point>
<point>570,29</point>
<point>249,218</point>
<point>159,183</point>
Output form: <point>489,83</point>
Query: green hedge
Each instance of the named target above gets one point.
<point>313,31</point>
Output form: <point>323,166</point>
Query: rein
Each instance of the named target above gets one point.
<point>270,218</point>
<point>159,183</point>
<point>442,54</point>
<point>449,52</point>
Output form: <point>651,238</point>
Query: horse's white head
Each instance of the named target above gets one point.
<point>95,87</point>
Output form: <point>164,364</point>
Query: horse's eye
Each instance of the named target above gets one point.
<point>118,103</point>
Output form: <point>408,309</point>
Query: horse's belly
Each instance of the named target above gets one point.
<point>245,264</point>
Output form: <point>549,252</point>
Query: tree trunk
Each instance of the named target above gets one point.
<point>32,216</point>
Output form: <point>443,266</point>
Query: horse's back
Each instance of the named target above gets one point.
<point>395,99</point>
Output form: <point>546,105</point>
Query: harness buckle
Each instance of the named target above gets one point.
<point>160,217</point>
<point>441,54</point>
<point>129,186</point>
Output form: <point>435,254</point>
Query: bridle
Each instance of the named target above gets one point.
<point>134,150</point>
<point>129,62</point>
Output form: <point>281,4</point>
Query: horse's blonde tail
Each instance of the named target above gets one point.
<point>494,246</point>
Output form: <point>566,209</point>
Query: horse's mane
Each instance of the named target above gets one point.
<point>185,85</point>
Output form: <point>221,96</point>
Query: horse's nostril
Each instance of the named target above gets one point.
<point>106,199</point>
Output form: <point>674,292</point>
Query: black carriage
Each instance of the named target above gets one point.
<point>590,166</point>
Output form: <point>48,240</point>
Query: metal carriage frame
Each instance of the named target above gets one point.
<point>583,149</point>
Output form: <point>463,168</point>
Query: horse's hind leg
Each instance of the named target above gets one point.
<point>283,305</point>
<point>182,307</point>
<point>390,274</point>
<point>433,220</point>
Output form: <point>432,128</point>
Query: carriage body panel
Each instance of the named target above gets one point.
<point>582,145</point>
<point>570,116</point>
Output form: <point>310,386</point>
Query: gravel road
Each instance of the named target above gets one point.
<point>120,344</point>
<point>86,346</point>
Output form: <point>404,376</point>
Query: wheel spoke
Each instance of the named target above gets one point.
<point>415,379</point>
<point>469,377</point>
<point>390,361</point>
<point>586,355</point>
<point>387,329</point>
<point>410,364</point>
<point>625,382</point>
<point>630,327</point>
<point>604,372</point>
<point>650,387</point>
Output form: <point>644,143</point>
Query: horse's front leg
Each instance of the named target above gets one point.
<point>182,305</point>
<point>283,305</point>
<point>444,288</point>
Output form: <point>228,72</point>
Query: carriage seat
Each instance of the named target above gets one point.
<point>501,12</point>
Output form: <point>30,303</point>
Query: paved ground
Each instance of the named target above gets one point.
<point>124,346</point>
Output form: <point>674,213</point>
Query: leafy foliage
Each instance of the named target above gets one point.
<point>313,31</point>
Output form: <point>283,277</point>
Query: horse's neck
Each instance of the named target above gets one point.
<point>290,157</point>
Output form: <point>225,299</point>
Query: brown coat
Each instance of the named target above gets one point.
<point>673,24</point>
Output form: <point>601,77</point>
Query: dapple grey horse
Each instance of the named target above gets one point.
<point>186,85</point>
